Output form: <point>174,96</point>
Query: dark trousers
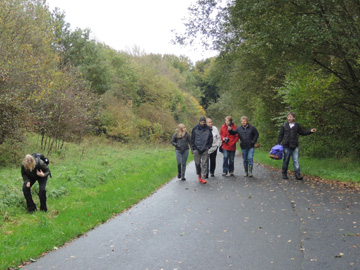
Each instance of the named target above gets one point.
<point>42,194</point>
<point>212,161</point>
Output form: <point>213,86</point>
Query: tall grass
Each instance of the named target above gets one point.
<point>91,182</point>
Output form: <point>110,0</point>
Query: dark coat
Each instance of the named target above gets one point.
<point>248,136</point>
<point>201,138</point>
<point>181,144</point>
<point>289,136</point>
<point>28,175</point>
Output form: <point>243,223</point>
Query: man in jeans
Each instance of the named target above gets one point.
<point>201,142</point>
<point>289,137</point>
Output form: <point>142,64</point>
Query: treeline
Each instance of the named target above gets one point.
<point>63,85</point>
<point>280,56</point>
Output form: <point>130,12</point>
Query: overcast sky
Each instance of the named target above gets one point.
<point>123,24</point>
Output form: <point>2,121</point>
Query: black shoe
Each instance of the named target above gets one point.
<point>212,175</point>
<point>183,178</point>
<point>206,176</point>
<point>299,177</point>
<point>284,176</point>
<point>179,175</point>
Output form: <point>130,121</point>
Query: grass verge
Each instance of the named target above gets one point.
<point>344,170</point>
<point>91,183</point>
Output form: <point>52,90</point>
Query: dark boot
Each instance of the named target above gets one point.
<point>183,177</point>
<point>284,176</point>
<point>250,170</point>
<point>179,171</point>
<point>246,171</point>
<point>298,176</point>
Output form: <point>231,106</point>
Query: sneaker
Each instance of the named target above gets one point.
<point>224,173</point>
<point>203,181</point>
<point>231,174</point>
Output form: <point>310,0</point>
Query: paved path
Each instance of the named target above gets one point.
<point>230,223</point>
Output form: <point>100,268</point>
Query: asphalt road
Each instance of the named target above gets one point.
<point>262,222</point>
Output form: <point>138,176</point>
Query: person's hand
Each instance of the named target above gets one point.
<point>28,184</point>
<point>229,127</point>
<point>313,130</point>
<point>40,173</point>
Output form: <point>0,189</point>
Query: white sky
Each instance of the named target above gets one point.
<point>124,24</point>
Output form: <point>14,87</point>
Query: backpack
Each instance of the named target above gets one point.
<point>38,156</point>
<point>276,152</point>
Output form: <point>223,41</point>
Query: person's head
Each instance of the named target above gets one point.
<point>291,117</point>
<point>29,163</point>
<point>228,120</point>
<point>244,121</point>
<point>180,130</point>
<point>202,121</point>
<point>209,122</point>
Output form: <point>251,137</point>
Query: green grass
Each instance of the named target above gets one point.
<point>330,168</point>
<point>90,184</point>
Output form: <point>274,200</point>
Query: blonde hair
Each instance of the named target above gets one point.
<point>229,118</point>
<point>29,163</point>
<point>245,118</point>
<point>179,130</point>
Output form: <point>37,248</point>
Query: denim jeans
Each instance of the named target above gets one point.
<point>248,155</point>
<point>228,164</point>
<point>181,159</point>
<point>294,153</point>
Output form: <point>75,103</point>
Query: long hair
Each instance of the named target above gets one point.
<point>230,119</point>
<point>29,163</point>
<point>179,130</point>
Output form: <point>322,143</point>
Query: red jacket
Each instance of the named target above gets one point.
<point>231,144</point>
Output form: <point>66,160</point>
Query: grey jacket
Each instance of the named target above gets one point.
<point>181,144</point>
<point>28,175</point>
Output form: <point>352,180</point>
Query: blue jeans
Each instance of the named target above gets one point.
<point>228,164</point>
<point>248,155</point>
<point>294,153</point>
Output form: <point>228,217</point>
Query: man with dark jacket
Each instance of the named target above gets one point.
<point>289,137</point>
<point>201,142</point>
<point>248,136</point>
<point>34,169</point>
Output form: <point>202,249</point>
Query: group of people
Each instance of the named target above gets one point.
<point>205,140</point>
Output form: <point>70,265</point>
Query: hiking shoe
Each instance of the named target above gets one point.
<point>284,176</point>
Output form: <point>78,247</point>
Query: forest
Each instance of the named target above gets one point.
<point>280,56</point>
<point>275,57</point>
<point>63,85</point>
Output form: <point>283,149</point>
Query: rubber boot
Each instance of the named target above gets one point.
<point>179,171</point>
<point>246,171</point>
<point>250,170</point>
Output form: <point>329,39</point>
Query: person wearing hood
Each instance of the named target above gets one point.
<point>201,142</point>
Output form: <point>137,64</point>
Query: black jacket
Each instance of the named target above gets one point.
<point>248,136</point>
<point>201,138</point>
<point>28,175</point>
<point>289,136</point>
<point>181,144</point>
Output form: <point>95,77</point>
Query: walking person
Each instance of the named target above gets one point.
<point>228,145</point>
<point>289,137</point>
<point>181,141</point>
<point>201,142</point>
<point>34,169</point>
<point>248,136</point>
<point>213,150</point>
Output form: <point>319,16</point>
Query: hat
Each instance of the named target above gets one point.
<point>202,118</point>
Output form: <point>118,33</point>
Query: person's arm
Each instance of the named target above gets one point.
<point>24,175</point>
<point>256,135</point>
<point>173,140</point>
<point>305,132</point>
<point>210,140</point>
<point>192,139</point>
<point>44,169</point>
<point>281,135</point>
